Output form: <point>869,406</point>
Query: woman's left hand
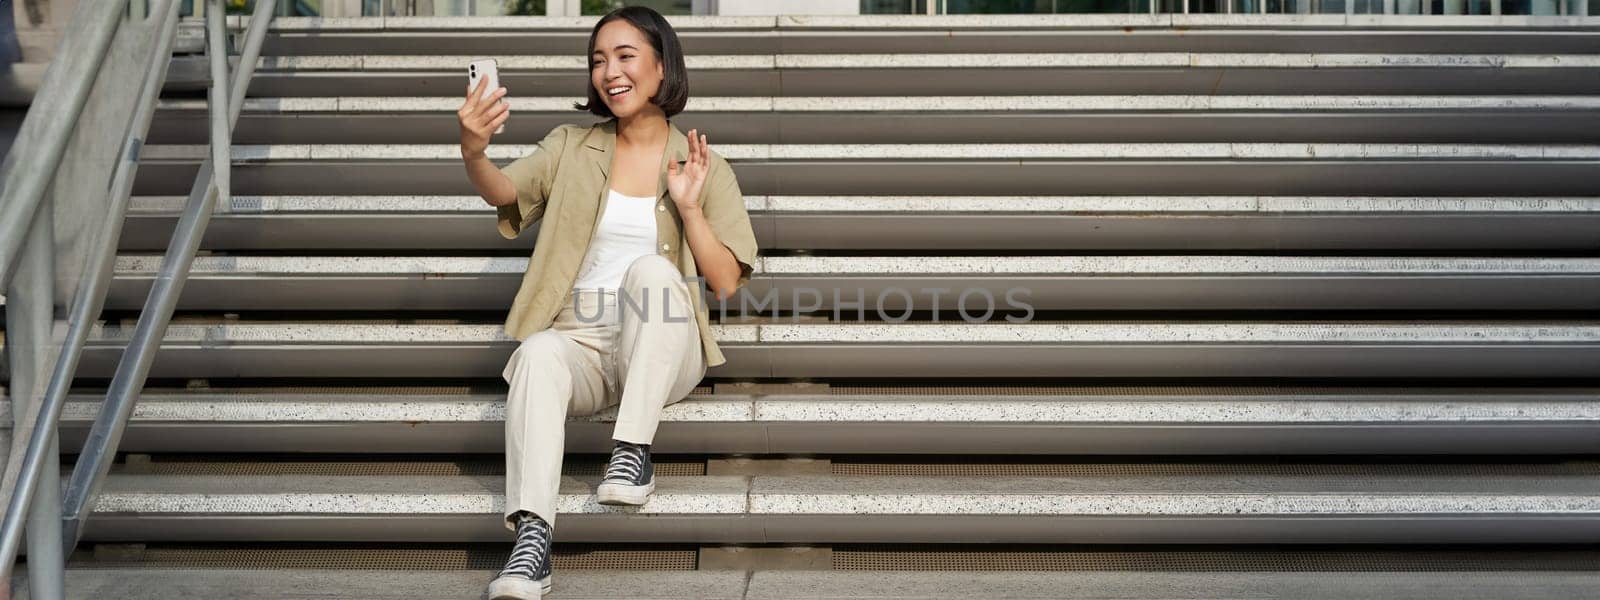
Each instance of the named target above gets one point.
<point>685,183</point>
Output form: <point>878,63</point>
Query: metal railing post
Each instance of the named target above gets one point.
<point>30,319</point>
<point>40,467</point>
<point>67,81</point>
<point>101,445</point>
<point>221,128</point>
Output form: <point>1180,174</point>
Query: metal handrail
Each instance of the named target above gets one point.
<point>210,185</point>
<point>68,80</point>
<point>27,259</point>
<point>93,285</point>
<point>226,101</point>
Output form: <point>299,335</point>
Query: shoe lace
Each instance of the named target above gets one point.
<point>627,463</point>
<point>532,549</point>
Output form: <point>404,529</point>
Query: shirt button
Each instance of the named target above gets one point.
<point>661,208</point>
<point>663,247</point>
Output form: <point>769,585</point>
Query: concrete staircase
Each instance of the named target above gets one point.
<point>1313,299</point>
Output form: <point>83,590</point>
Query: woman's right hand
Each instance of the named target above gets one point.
<point>479,117</point>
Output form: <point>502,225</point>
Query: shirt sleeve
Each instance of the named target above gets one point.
<point>532,176</point>
<point>725,210</point>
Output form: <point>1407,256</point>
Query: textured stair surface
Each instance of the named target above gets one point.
<point>1190,420</point>
<point>1095,282</point>
<point>781,348</point>
<point>150,584</point>
<point>1059,223</point>
<point>1231,505</point>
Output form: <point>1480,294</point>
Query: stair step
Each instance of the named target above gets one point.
<point>511,63</point>
<point>774,585</point>
<point>1016,73</point>
<point>1480,349</point>
<point>1356,507</point>
<point>1189,421</point>
<point>932,222</point>
<point>946,119</point>
<point>1203,168</point>
<point>802,152</point>
<point>955,33</point>
<point>921,105</point>
<point>161,584</point>
<point>1044,282</point>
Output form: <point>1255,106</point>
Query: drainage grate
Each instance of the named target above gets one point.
<point>398,558</point>
<point>667,466</point>
<point>902,558</point>
<point>1032,467</point>
<point>196,465</point>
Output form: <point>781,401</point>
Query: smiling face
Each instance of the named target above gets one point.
<point>624,61</point>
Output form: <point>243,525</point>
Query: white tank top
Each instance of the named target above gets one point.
<point>627,231</point>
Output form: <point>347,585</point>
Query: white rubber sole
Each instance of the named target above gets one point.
<point>517,588</point>
<point>617,494</point>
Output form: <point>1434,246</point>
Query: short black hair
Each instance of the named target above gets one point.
<point>674,91</point>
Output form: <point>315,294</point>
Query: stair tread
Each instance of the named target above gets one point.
<point>1324,332</point>
<point>978,153</point>
<point>1168,60</point>
<point>1141,103</point>
<point>1455,408</point>
<point>1179,495</point>
<point>164,583</point>
<point>356,266</point>
<point>423,205</point>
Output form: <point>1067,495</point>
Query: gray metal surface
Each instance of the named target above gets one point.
<point>937,222</point>
<point>1221,508</point>
<point>962,33</point>
<point>966,174</point>
<point>1460,585</point>
<point>162,584</point>
<point>1099,283</point>
<point>42,140</point>
<point>1478,350</point>
<point>1401,421</point>
<point>1103,79</point>
<point>98,242</point>
<point>226,99</point>
<point>31,340</point>
<point>1151,119</point>
<point>599,584</point>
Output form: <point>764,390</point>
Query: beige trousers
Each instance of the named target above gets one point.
<point>642,336</point>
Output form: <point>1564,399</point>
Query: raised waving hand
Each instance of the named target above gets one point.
<point>684,183</point>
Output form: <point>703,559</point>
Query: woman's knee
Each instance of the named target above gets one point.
<point>540,350</point>
<point>651,270</point>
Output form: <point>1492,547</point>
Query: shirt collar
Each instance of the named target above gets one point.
<point>602,140</point>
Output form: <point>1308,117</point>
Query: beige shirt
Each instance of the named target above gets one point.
<point>565,183</point>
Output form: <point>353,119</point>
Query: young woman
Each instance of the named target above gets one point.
<point>606,313</point>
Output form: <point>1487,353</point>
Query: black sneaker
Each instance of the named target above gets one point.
<point>527,572</point>
<point>629,477</point>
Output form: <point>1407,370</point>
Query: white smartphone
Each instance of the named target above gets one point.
<point>479,69</point>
